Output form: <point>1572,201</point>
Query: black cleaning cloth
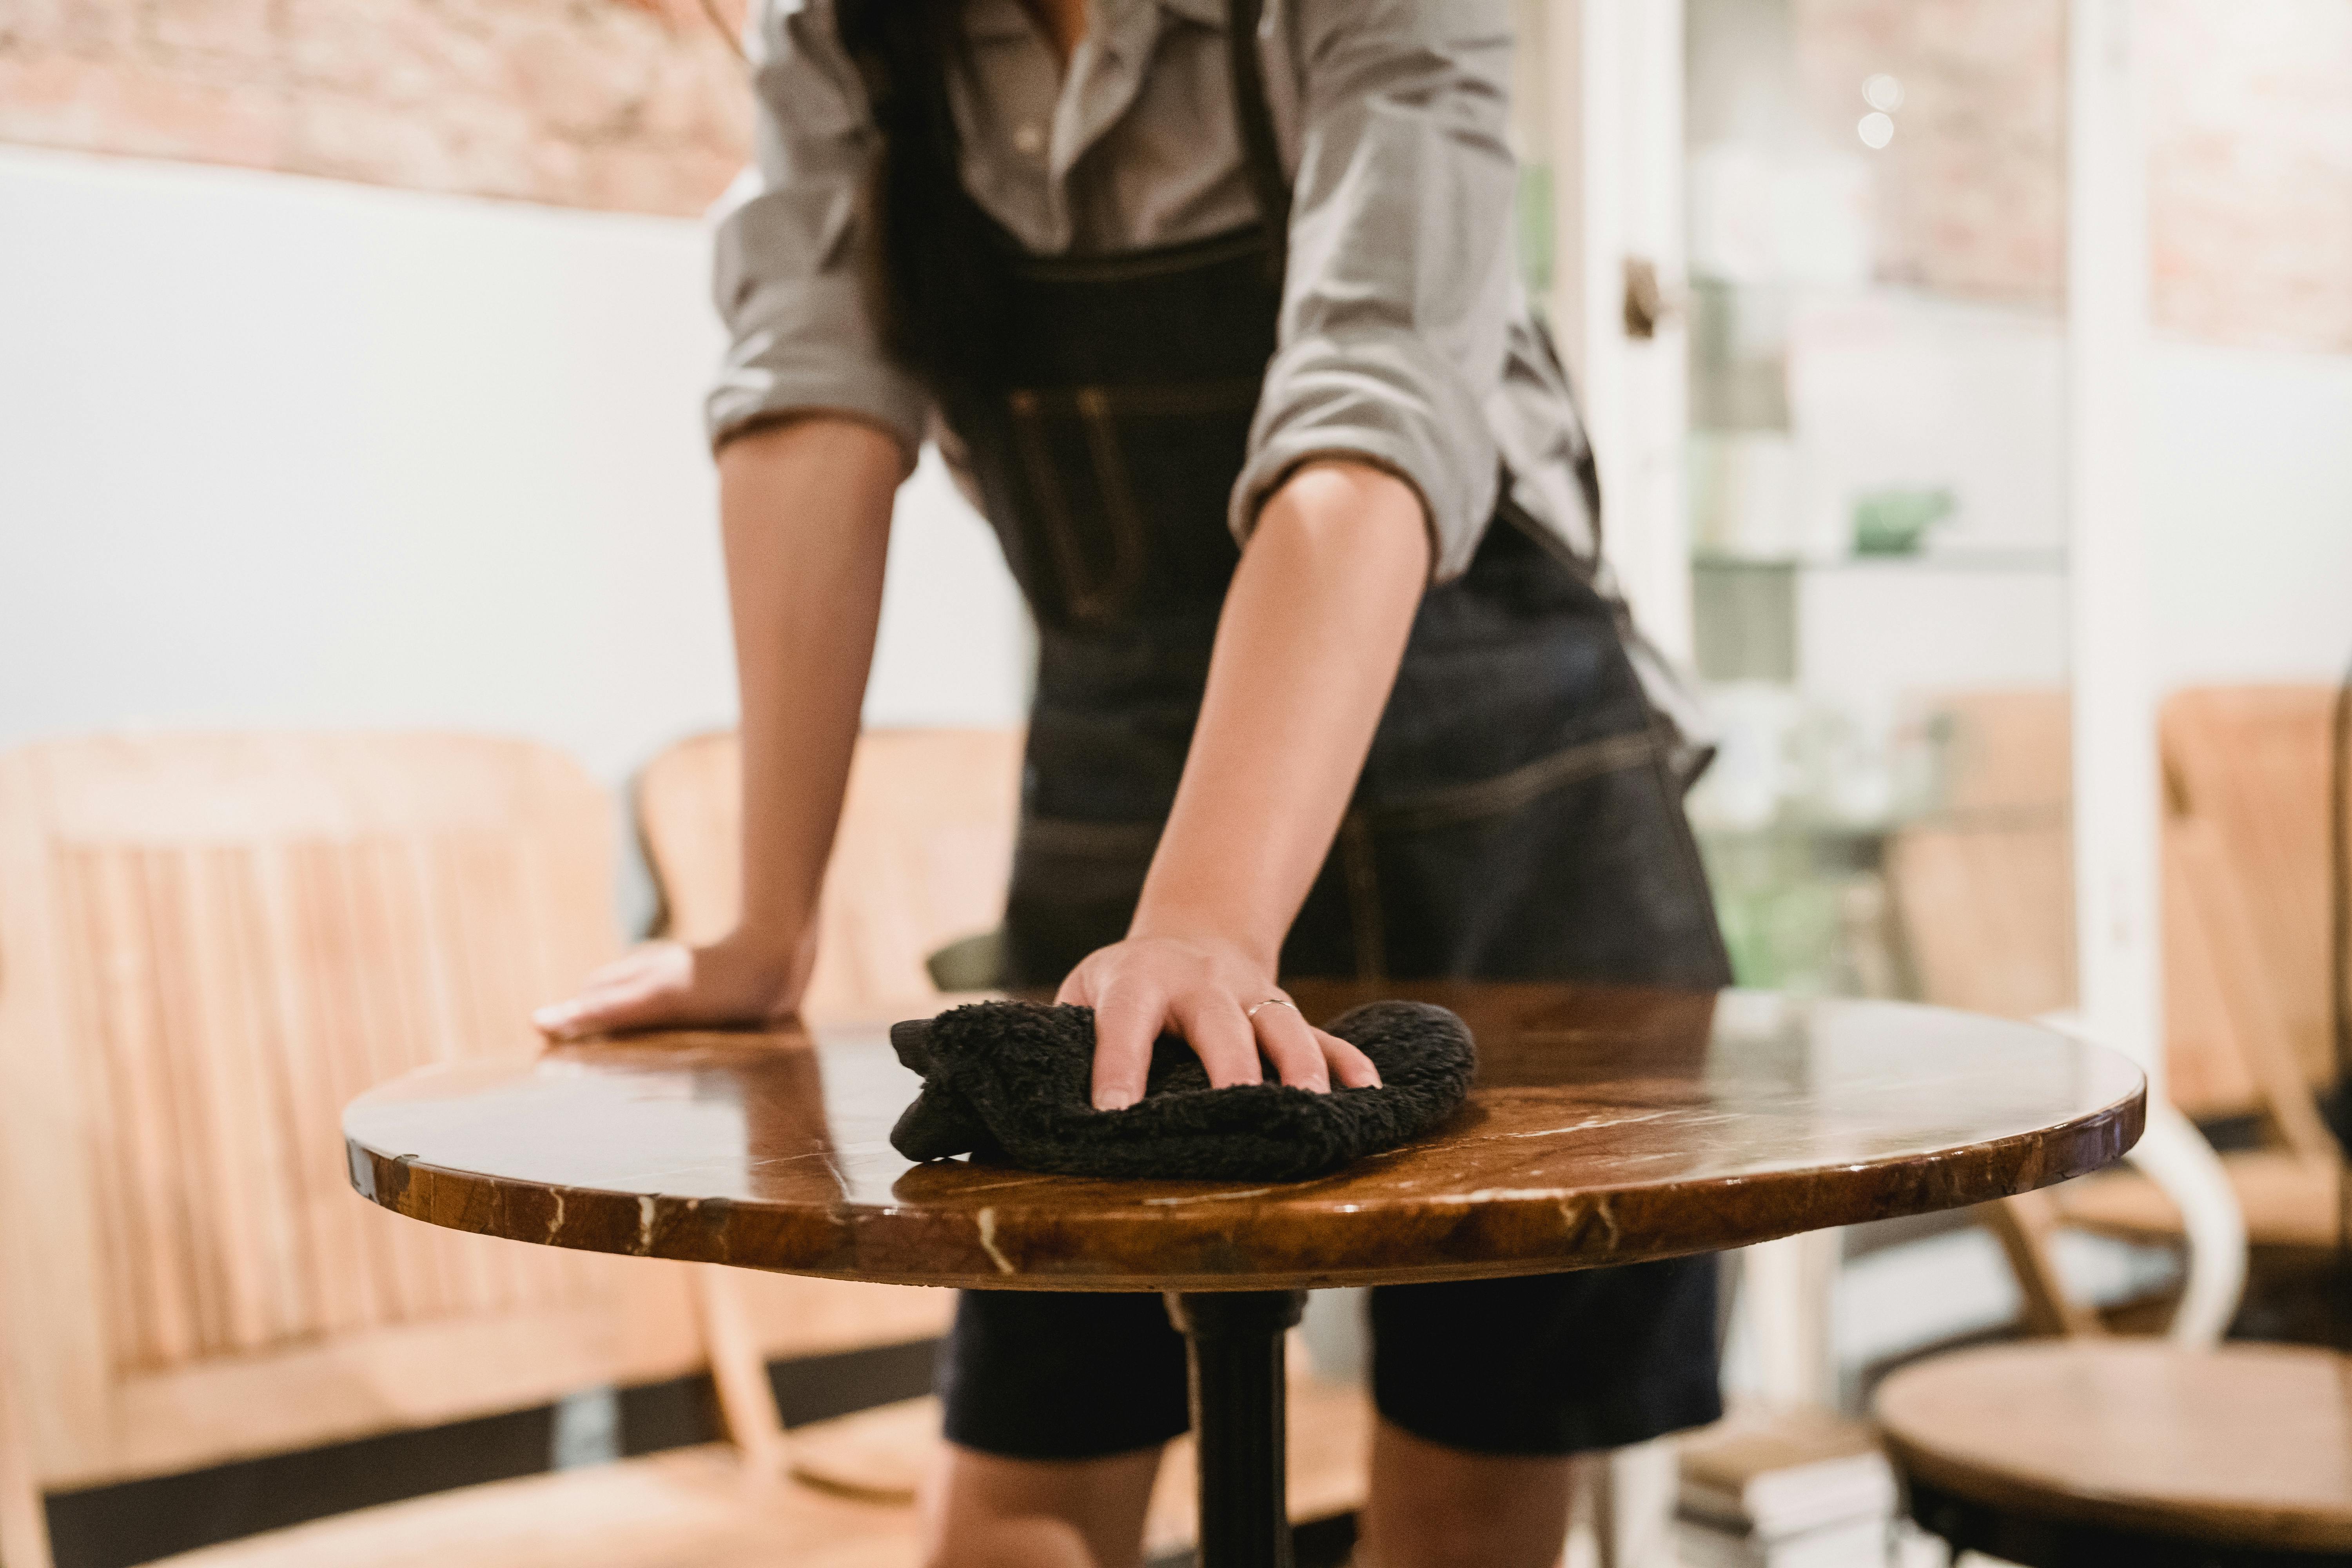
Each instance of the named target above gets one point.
<point>1013,1080</point>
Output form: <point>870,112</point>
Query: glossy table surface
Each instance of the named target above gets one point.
<point>1607,1125</point>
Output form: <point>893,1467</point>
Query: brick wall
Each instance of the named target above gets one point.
<point>590,104</point>
<point>638,105</point>
<point>2249,120</point>
<point>2250,113</point>
<point>1970,197</point>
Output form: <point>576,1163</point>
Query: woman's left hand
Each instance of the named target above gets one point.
<point>1202,988</point>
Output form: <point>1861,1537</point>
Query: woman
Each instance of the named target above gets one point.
<point>1218,317</point>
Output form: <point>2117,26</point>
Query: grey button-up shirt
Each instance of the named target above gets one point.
<point>1405,337</point>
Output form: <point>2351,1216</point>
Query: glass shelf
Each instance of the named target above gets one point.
<point>2017,560</point>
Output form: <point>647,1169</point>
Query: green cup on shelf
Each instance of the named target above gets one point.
<point>1895,522</point>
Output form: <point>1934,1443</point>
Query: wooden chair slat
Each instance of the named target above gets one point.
<point>2253,761</point>
<point>923,856</point>
<point>210,943</point>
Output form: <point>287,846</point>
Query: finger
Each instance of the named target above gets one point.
<point>1126,1023</point>
<point>567,1020</point>
<point>1290,1045</point>
<point>1351,1066</point>
<point>628,975</point>
<point>614,1007</point>
<point>620,968</point>
<point>647,958</point>
<point>1220,1034</point>
<point>561,1020</point>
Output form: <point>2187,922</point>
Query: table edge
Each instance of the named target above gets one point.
<point>811,1240</point>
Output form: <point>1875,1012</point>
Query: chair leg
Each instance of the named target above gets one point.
<point>1633,1512</point>
<point>2174,1156</point>
<point>747,1402</point>
<point>1786,1290</point>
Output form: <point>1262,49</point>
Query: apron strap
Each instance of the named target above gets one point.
<point>1260,147</point>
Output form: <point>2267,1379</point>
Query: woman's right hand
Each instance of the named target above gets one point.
<point>669,985</point>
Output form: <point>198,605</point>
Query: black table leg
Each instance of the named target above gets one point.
<point>1233,1341</point>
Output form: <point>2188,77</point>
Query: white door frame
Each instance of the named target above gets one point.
<point>1616,67</point>
<point>1617,146</point>
<point>2116,804</point>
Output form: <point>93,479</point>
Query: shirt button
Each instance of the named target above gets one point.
<point>1029,140</point>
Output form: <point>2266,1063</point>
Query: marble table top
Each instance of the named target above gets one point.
<point>1607,1125</point>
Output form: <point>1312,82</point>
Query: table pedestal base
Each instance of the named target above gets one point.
<point>1233,1345</point>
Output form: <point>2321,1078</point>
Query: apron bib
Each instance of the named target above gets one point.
<point>1518,818</point>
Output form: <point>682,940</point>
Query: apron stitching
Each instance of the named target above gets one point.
<point>1122,267</point>
<point>1505,791</point>
<point>1436,808</point>
<point>1128,542</point>
<point>1028,433</point>
<point>1231,395</point>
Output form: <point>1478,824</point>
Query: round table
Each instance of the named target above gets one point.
<point>1606,1125</point>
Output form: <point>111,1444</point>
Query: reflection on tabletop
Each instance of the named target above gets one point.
<point>1606,1125</point>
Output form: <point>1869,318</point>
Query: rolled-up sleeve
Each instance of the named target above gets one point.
<point>1400,294</point>
<point>785,265</point>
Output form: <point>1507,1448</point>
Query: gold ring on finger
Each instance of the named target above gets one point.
<point>1271,1002</point>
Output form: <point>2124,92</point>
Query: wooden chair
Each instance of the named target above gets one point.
<point>921,859</point>
<point>1985,891</point>
<point>1986,895</point>
<point>922,855</point>
<point>1984,887</point>
<point>2246,919</point>
<point>207,946</point>
<point>2089,1449</point>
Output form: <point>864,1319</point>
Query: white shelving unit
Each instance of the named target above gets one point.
<point>1610,132</point>
<point>2118,952</point>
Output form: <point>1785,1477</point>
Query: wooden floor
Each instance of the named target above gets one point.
<point>849,1504</point>
<point>689,1508</point>
<point>879,1454</point>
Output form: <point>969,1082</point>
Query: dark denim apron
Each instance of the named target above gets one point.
<point>1518,818</point>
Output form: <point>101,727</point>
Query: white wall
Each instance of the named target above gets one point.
<point>286,451</point>
<point>283,451</point>
<point>2249,496</point>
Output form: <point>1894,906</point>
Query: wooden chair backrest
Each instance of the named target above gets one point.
<point>2246,778</point>
<point>921,857</point>
<point>207,944</point>
<point>1986,893</point>
<point>1984,885</point>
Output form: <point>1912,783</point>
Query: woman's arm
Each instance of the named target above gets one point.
<point>1308,643</point>
<point>1398,297</point>
<point>805,510</point>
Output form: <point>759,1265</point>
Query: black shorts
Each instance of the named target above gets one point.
<point>1547,1364</point>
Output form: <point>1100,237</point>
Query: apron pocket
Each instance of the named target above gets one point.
<point>1579,865</point>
